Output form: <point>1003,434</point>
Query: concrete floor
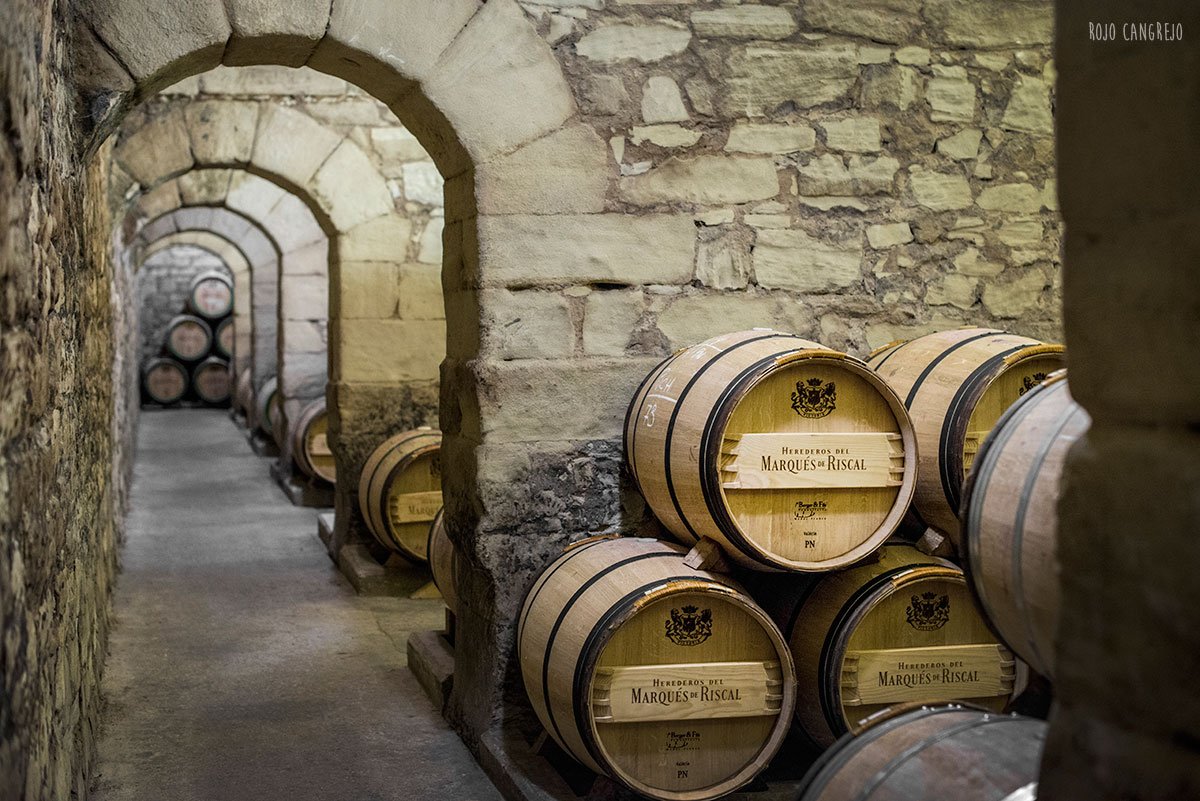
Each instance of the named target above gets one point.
<point>243,666</point>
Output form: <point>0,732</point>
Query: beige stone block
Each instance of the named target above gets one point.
<point>1028,108</point>
<point>158,43</point>
<point>913,56</point>
<point>421,292</point>
<point>422,183</point>
<point>293,226</point>
<point>384,45</point>
<point>204,187</point>
<point>704,180</point>
<point>582,249</point>
<point>893,88</point>
<point>565,172</point>
<point>291,144</point>
<point>646,43</point>
<point>744,22</point>
<point>971,263</point>
<point>962,145</point>
<point>986,23</point>
<point>384,238</point>
<point>304,297</point>
<point>794,260</point>
<point>829,175</point>
<point>940,191</point>
<point>761,78</point>
<point>384,351</point>
<point>368,289</point>
<point>724,262</point>
<point>527,324</point>
<point>952,290</point>
<point>889,235</point>
<point>1016,198</point>
<point>253,196</point>
<point>695,317</point>
<point>397,145</point>
<point>157,151</point>
<point>498,84</point>
<point>531,400</point>
<point>1015,297</point>
<point>222,132</point>
<point>662,101</point>
<point>271,80</point>
<point>604,95</point>
<point>350,189</point>
<point>307,337</point>
<point>1022,233</point>
<point>951,99</point>
<point>853,135</point>
<point>756,137</point>
<point>668,135</point>
<point>429,250</point>
<point>287,31</point>
<point>879,21</point>
<point>609,318</point>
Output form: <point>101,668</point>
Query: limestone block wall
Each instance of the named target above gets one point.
<point>59,522</point>
<point>162,289</point>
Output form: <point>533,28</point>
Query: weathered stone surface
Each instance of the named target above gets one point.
<point>984,23</point>
<point>744,22</point>
<point>913,56</point>
<point>962,145</point>
<point>704,180</point>
<point>564,172</point>
<point>853,134</point>
<point>763,78</point>
<point>158,44</point>
<point>204,187</point>
<point>940,191</point>
<point>291,144</point>
<point>381,352</point>
<point>381,239</point>
<point>289,32</point>
<point>580,249</point>
<point>644,43</point>
<point>892,88</point>
<point>529,324</point>
<point>662,102</point>
<point>604,95</point>
<point>754,137</point>
<point>970,262</point>
<point>158,150</point>
<point>694,317</point>
<point>952,290</point>
<point>397,145</point>
<point>422,183</point>
<point>608,319</point>
<point>350,188</point>
<point>791,259</point>
<point>221,132</point>
<point>1011,298</point>
<point>952,99</point>
<point>429,250</point>
<point>828,175</point>
<point>421,293</point>
<point>1022,233</point>
<point>879,21</point>
<point>1017,198</point>
<point>886,236</point>
<point>1029,107</point>
<point>664,135</point>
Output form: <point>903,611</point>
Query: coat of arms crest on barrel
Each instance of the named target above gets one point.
<point>814,398</point>
<point>689,625</point>
<point>928,611</point>
<point>1030,381</point>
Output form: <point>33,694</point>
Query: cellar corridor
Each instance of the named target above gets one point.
<point>242,665</point>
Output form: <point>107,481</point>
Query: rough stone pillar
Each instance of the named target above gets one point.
<point>1127,723</point>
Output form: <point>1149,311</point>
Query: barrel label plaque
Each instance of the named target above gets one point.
<point>415,507</point>
<point>944,673</point>
<point>642,693</point>
<point>807,461</point>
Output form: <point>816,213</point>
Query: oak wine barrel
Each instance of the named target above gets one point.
<point>956,384</point>
<point>310,443</point>
<point>266,406</point>
<point>792,456</point>
<point>670,680</point>
<point>443,561</point>
<point>944,752</point>
<point>1010,518</point>
<point>223,338</point>
<point>400,491</point>
<point>165,381</point>
<point>902,629</point>
<point>210,295</point>
<point>244,391</point>
<point>210,380</point>
<point>189,338</point>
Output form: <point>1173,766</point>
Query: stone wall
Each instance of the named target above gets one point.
<point>162,290</point>
<point>59,520</point>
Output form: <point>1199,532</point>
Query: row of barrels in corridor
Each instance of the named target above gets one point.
<point>815,476</point>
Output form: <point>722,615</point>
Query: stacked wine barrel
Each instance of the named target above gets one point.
<point>805,470</point>
<point>310,444</point>
<point>197,348</point>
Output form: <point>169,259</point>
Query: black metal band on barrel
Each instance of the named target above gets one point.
<point>670,481</point>
<point>929,368</point>
<point>587,585</point>
<point>544,579</point>
<point>950,441</point>
<point>896,349</point>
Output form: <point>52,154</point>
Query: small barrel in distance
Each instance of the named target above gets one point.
<point>1010,518</point>
<point>165,381</point>
<point>266,406</point>
<point>244,392</point>
<point>941,752</point>
<point>210,295</point>
<point>400,491</point>
<point>210,381</point>
<point>189,338</point>
<point>224,338</point>
<point>310,443</point>
<point>443,561</point>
